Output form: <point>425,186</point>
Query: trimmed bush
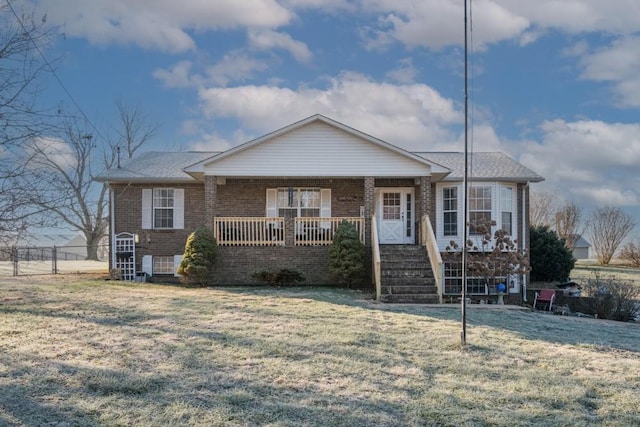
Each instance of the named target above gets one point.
<point>200,253</point>
<point>346,255</point>
<point>550,259</point>
<point>283,277</point>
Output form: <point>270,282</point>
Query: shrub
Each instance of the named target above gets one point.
<point>280,278</point>
<point>631,253</point>
<point>550,259</point>
<point>612,298</point>
<point>346,255</point>
<point>200,253</point>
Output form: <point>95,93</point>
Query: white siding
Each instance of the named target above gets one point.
<point>317,150</point>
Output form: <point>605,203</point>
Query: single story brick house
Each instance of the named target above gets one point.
<point>275,202</point>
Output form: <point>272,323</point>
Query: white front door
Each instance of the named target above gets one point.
<point>395,213</point>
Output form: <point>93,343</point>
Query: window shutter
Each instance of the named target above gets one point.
<point>147,264</point>
<point>177,259</point>
<point>272,202</point>
<point>178,208</point>
<point>325,206</point>
<point>147,208</point>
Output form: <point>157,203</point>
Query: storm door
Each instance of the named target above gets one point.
<point>395,214</point>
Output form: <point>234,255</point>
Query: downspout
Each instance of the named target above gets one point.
<point>523,238</point>
<point>112,229</point>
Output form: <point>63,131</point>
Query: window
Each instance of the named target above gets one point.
<point>506,202</point>
<point>163,265</point>
<point>163,203</point>
<point>479,208</point>
<point>391,207</point>
<point>475,285</point>
<point>298,202</point>
<point>450,211</point>
<point>162,208</point>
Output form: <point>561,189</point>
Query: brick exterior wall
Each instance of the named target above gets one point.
<point>247,198</point>
<point>235,264</point>
<point>127,205</point>
<point>210,198</point>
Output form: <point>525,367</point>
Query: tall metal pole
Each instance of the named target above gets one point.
<point>465,192</point>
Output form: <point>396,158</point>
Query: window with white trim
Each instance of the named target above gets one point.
<point>479,207</point>
<point>506,203</point>
<point>163,206</point>
<point>475,285</point>
<point>450,211</point>
<point>298,202</point>
<point>163,265</point>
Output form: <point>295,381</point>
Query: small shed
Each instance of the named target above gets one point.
<point>581,248</point>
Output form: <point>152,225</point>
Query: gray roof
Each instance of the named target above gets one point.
<point>156,166</point>
<point>483,166</point>
<point>580,242</point>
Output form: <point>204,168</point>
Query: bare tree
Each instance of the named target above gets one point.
<point>631,253</point>
<point>58,181</point>
<point>134,128</point>
<point>569,224</point>
<point>609,227</point>
<point>22,39</point>
<point>542,208</point>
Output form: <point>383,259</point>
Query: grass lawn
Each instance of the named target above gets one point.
<point>585,270</point>
<point>75,351</point>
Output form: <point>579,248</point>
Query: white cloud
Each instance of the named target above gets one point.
<point>437,23</point>
<point>268,39</point>
<point>159,24</point>
<point>618,63</point>
<point>234,67</point>
<point>592,162</point>
<point>405,73</point>
<point>51,151</point>
<point>413,116</point>
<point>178,76</point>
<point>579,16</point>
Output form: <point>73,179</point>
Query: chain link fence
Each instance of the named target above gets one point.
<point>32,260</point>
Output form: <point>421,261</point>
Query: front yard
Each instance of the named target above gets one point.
<point>75,351</point>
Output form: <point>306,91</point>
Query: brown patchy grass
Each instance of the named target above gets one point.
<point>78,351</point>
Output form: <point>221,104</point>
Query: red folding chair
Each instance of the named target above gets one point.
<point>545,296</point>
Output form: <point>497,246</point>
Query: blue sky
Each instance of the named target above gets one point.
<point>554,83</point>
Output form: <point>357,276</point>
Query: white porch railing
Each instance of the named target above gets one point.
<point>320,231</point>
<point>375,249</point>
<point>429,240</point>
<point>260,231</point>
<point>249,231</point>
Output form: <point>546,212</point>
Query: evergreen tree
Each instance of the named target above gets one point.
<point>199,256</point>
<point>346,255</point>
<point>550,258</point>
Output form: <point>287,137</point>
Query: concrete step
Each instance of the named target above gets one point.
<point>408,281</point>
<point>411,299</point>
<point>409,290</point>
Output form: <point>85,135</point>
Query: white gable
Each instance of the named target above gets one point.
<point>317,149</point>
